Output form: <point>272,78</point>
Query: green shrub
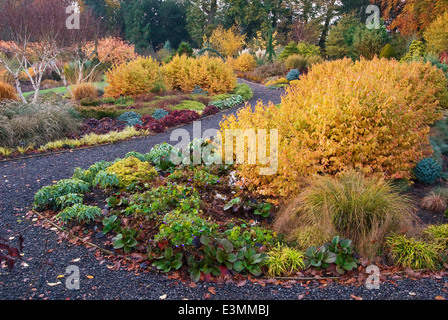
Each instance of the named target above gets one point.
<point>160,114</point>
<point>247,235</point>
<point>244,91</point>
<point>47,196</point>
<point>69,200</point>
<point>89,102</point>
<point>131,118</point>
<point>160,156</point>
<point>36,124</point>
<point>80,213</point>
<point>163,199</point>
<point>99,112</point>
<point>289,50</point>
<point>414,253</point>
<point>437,234</point>
<point>181,229</point>
<point>90,174</point>
<point>106,180</point>
<point>232,101</point>
<point>416,51</point>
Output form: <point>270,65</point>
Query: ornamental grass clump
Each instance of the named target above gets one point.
<point>372,116</point>
<point>364,210</point>
<point>22,124</point>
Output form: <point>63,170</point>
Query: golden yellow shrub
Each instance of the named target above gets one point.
<point>372,116</point>
<point>84,90</point>
<point>136,77</point>
<point>245,63</point>
<point>227,41</point>
<point>210,73</point>
<point>7,92</point>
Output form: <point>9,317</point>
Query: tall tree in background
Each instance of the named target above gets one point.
<point>357,7</point>
<point>136,24</point>
<point>329,9</point>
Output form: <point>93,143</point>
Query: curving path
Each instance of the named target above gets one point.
<point>20,179</point>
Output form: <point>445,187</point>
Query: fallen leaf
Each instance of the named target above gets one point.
<point>440,298</point>
<point>53,284</point>
<point>89,277</point>
<point>212,290</point>
<point>241,283</point>
<point>162,297</point>
<point>207,295</point>
<point>355,297</point>
<point>60,276</point>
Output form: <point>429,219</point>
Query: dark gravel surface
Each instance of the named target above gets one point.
<point>20,179</point>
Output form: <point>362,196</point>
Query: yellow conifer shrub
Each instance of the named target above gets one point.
<point>210,73</point>
<point>372,116</point>
<point>139,76</point>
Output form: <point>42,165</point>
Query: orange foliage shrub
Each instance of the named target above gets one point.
<point>372,116</point>
<point>7,92</point>
<point>113,50</point>
<point>139,76</point>
<point>211,74</point>
<point>245,63</point>
<point>84,90</point>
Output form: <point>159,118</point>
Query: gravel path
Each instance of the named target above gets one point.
<point>20,179</point>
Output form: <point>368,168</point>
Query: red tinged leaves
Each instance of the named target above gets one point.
<point>10,254</point>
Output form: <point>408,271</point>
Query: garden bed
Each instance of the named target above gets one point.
<point>108,120</point>
<point>192,222</point>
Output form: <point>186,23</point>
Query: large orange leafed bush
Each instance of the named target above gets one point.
<point>210,73</point>
<point>136,77</point>
<point>372,116</point>
<point>113,50</point>
<point>7,92</point>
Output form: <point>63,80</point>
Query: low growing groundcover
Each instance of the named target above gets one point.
<point>200,223</point>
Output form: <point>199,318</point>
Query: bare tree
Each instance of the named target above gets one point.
<point>33,30</point>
